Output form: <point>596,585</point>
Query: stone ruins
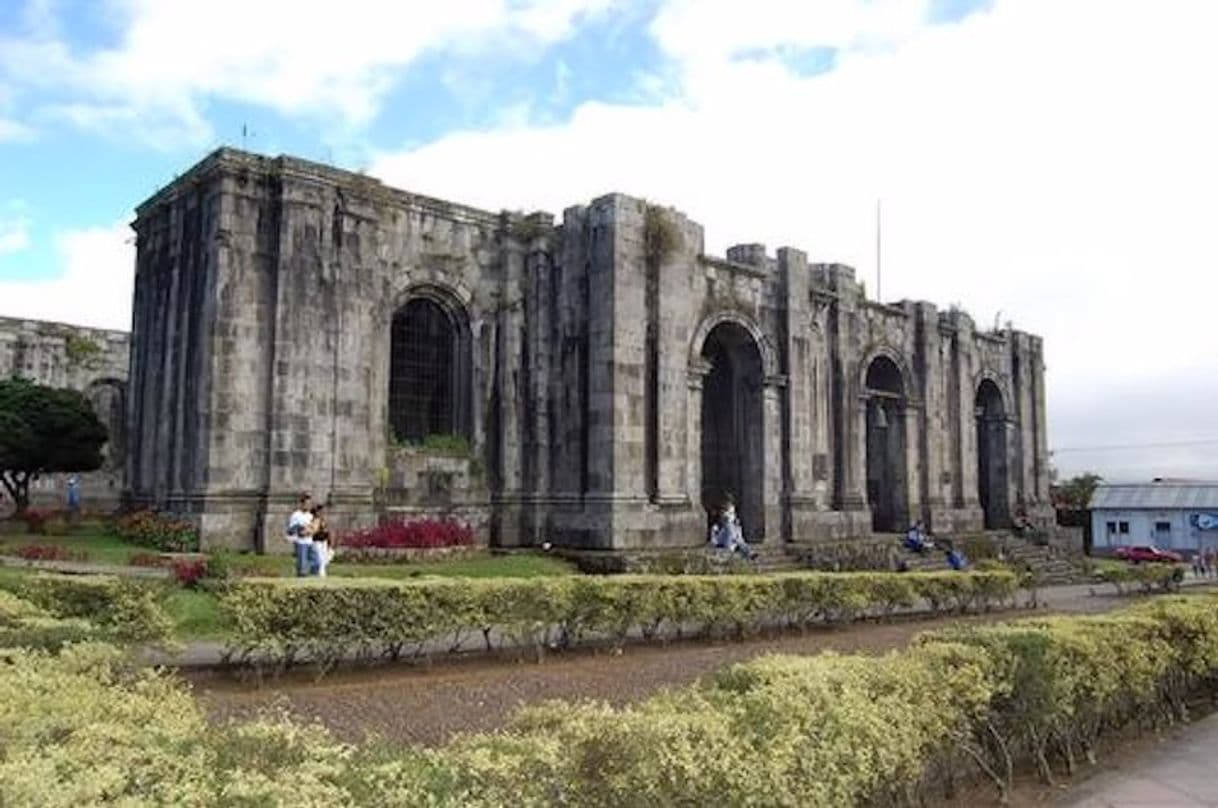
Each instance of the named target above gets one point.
<point>91,360</point>
<point>597,382</point>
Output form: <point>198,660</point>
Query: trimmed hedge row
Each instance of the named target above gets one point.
<point>122,610</point>
<point>1144,577</point>
<point>280,621</point>
<point>24,625</point>
<point>829,730</point>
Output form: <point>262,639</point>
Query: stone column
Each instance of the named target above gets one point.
<point>695,379</point>
<point>913,414</point>
<point>772,493</point>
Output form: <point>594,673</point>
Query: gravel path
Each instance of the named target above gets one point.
<point>430,705</point>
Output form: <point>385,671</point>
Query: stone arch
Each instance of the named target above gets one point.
<point>108,397</point>
<point>991,421</point>
<point>885,393</point>
<point>430,364</point>
<point>769,355</point>
<point>892,355</point>
<point>1001,383</point>
<point>732,417</point>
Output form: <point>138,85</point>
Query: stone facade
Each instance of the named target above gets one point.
<point>598,382</point>
<point>91,360</point>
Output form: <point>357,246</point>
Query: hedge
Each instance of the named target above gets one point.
<point>827,730</point>
<point>1145,577</point>
<point>24,625</point>
<point>280,621</point>
<point>123,610</point>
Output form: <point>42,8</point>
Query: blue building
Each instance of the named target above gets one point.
<point>1168,515</point>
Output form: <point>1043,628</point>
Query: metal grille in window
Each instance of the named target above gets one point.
<point>422,377</point>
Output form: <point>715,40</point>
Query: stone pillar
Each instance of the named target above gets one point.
<point>913,418</point>
<point>772,493</point>
<point>798,478</point>
<point>509,353</point>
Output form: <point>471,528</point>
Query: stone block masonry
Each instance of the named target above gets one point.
<point>596,381</point>
<point>93,361</point>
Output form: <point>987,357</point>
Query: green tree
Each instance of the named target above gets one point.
<point>44,430</point>
<point>1076,492</point>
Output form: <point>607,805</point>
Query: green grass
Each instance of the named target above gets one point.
<point>516,565</point>
<point>196,615</point>
<point>98,545</point>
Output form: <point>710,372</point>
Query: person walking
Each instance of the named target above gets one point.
<point>299,534</point>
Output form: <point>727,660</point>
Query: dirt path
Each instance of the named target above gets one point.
<point>418,705</point>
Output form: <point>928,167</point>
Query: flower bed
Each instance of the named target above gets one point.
<point>49,552</point>
<point>405,539</point>
<point>160,532</point>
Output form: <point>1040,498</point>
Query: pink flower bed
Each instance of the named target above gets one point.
<point>415,534</point>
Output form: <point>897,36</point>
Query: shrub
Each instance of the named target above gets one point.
<point>326,620</point>
<point>85,728</point>
<point>148,560</point>
<point>1144,577</point>
<point>415,533</point>
<point>24,625</point>
<point>124,610</point>
<point>49,552</point>
<point>150,529</point>
<point>36,520</point>
<point>190,573</point>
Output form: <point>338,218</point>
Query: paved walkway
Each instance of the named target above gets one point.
<point>1182,772</point>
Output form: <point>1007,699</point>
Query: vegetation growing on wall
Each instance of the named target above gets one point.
<point>81,350</point>
<point>661,236</point>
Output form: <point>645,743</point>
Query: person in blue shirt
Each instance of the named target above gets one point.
<point>956,560</point>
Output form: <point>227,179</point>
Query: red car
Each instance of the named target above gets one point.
<point>1137,555</point>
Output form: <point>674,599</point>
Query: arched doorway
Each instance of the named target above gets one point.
<point>429,359</point>
<point>886,476</point>
<point>992,455</point>
<point>732,456</point>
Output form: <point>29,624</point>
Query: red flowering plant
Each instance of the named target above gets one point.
<point>49,552</point>
<point>151,529</point>
<point>411,534</point>
<point>190,573</point>
<point>36,520</point>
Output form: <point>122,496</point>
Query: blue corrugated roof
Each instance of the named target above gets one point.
<point>1156,496</point>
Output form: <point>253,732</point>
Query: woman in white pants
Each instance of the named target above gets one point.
<point>320,532</point>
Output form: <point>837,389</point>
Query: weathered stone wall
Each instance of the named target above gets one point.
<point>91,360</point>
<point>265,293</point>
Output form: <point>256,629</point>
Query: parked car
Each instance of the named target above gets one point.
<point>1150,553</point>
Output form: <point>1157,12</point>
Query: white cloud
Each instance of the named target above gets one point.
<point>332,62</point>
<point>14,130</point>
<point>14,233</point>
<point>1051,161</point>
<point>94,289</point>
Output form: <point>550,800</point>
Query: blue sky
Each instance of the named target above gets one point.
<point>1039,162</point>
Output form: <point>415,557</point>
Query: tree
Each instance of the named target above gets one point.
<point>44,430</point>
<point>1076,492</point>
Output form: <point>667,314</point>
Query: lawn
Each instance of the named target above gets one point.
<point>197,615</point>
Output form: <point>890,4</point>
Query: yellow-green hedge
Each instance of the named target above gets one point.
<point>24,625</point>
<point>84,728</point>
<point>279,621</point>
<point>123,610</point>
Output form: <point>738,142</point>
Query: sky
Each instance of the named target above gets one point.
<point>1048,163</point>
